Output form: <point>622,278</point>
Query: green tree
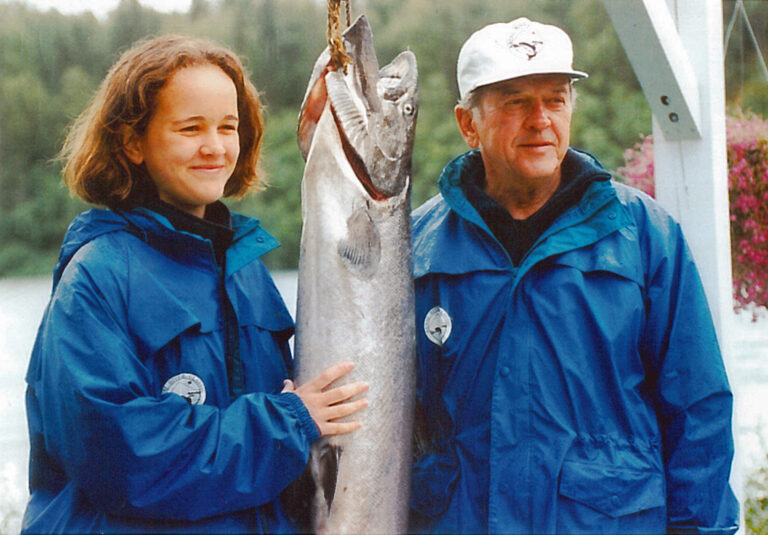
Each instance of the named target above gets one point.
<point>51,63</point>
<point>279,206</point>
<point>745,81</point>
<point>130,22</point>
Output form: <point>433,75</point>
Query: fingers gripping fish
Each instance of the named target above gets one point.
<point>355,292</point>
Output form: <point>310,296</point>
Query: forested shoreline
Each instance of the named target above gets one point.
<point>50,65</point>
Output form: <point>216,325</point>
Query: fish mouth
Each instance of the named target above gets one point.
<point>311,110</point>
<point>357,164</point>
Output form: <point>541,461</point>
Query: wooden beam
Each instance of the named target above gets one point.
<point>647,31</point>
<point>692,175</point>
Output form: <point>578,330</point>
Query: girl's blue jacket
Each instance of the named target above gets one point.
<point>136,318</point>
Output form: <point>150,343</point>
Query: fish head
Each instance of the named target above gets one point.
<point>374,110</point>
<point>390,163</point>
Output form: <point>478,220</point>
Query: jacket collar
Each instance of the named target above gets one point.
<point>452,238</point>
<point>249,243</point>
<point>449,185</point>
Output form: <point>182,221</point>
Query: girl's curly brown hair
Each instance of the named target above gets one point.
<point>96,166</point>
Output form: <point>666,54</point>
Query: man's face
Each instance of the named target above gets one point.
<point>522,128</point>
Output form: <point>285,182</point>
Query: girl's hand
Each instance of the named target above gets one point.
<point>326,406</point>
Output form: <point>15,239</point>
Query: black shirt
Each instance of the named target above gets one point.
<point>517,236</point>
<point>216,225</point>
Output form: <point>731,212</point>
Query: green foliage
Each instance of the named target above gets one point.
<point>130,22</point>
<point>279,206</point>
<point>50,64</point>
<point>745,81</point>
<point>756,500</point>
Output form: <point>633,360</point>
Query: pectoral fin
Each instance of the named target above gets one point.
<point>360,251</point>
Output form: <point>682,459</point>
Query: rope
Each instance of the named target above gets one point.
<point>739,8</point>
<point>349,15</point>
<point>339,57</point>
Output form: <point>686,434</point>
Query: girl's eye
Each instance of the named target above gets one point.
<point>190,128</point>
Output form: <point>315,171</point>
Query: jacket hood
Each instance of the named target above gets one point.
<point>84,228</point>
<point>250,241</point>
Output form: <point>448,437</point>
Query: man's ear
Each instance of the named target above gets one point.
<point>131,144</point>
<point>467,126</point>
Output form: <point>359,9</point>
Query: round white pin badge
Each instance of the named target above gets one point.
<point>437,326</point>
<point>187,385</point>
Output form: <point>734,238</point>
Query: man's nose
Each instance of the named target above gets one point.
<point>538,117</point>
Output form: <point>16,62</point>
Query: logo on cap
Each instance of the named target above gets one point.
<point>187,385</point>
<point>437,326</point>
<point>523,41</point>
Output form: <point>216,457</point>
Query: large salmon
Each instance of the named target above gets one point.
<point>355,288</point>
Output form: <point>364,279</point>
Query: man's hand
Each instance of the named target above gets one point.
<point>326,406</point>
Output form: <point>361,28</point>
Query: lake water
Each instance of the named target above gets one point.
<point>22,302</point>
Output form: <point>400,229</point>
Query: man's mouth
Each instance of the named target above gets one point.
<point>536,144</point>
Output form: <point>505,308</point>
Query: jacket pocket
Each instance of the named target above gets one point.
<point>614,491</point>
<point>614,254</point>
<point>257,301</point>
<point>433,478</point>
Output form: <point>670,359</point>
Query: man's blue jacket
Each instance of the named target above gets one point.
<point>581,391</point>
<point>137,309</point>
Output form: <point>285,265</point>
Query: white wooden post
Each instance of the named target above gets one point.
<point>676,51</point>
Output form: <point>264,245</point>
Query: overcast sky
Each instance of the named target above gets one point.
<point>101,7</point>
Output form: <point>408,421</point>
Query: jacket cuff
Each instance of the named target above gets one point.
<point>698,530</point>
<point>305,421</point>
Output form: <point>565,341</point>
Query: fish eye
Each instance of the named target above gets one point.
<point>408,109</point>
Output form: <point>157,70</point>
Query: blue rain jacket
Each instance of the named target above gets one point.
<point>135,304</point>
<point>581,391</point>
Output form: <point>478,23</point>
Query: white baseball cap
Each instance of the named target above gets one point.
<point>507,50</point>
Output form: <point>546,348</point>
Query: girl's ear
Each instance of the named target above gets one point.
<point>131,144</point>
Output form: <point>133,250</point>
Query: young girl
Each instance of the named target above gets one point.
<point>158,393</point>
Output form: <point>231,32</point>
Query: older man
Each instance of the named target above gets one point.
<point>569,370</point>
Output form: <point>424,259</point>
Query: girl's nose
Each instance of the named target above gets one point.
<point>212,145</point>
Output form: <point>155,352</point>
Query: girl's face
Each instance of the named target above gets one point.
<point>191,144</point>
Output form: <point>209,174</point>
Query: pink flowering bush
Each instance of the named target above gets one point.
<point>638,171</point>
<point>747,138</point>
